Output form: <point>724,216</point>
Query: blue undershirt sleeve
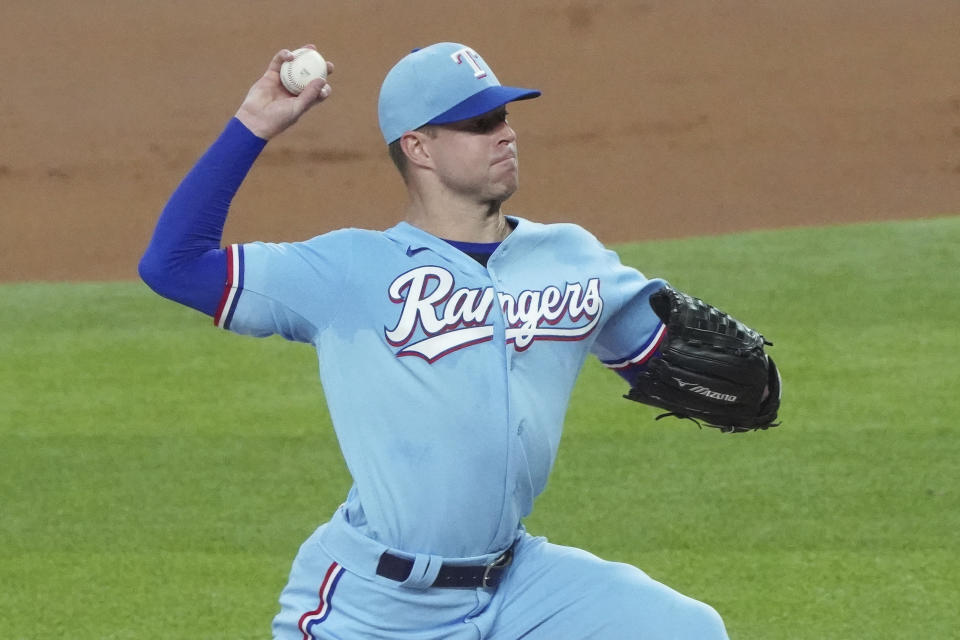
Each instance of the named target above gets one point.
<point>184,260</point>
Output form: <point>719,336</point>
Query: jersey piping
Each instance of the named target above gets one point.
<point>642,354</point>
<point>233,287</point>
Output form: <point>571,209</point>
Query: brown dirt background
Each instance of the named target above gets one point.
<point>659,119</point>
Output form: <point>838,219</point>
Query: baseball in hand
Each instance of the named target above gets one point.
<point>306,65</point>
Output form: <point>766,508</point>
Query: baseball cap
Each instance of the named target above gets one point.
<point>442,83</point>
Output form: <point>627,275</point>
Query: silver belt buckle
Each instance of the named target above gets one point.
<point>501,562</point>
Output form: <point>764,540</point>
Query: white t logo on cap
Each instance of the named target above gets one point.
<point>469,55</point>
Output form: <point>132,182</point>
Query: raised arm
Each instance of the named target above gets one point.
<point>184,260</point>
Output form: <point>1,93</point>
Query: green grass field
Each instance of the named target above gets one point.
<point>158,475</point>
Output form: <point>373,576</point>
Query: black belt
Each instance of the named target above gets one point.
<point>487,576</point>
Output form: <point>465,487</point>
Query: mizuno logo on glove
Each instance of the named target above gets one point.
<point>704,391</point>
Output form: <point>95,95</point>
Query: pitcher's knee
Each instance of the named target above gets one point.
<point>700,620</point>
<point>640,607</point>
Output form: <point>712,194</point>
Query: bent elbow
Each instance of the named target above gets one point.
<point>151,272</point>
<point>196,283</point>
<point>159,275</point>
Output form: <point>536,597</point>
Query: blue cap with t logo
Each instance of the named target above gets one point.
<point>442,83</point>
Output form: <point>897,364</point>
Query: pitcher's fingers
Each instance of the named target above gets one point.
<point>281,56</point>
<point>316,91</point>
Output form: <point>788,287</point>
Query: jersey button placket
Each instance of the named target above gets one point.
<point>509,352</point>
<point>518,484</point>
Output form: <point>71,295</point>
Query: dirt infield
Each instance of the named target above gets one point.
<point>658,119</point>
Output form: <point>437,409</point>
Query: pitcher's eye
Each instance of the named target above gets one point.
<point>488,123</point>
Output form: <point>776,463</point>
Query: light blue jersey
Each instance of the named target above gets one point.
<point>447,382</point>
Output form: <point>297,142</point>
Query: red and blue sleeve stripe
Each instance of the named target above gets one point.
<point>232,289</point>
<point>629,366</point>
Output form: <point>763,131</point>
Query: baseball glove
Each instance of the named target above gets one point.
<point>711,368</point>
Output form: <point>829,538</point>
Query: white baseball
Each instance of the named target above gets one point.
<point>306,65</point>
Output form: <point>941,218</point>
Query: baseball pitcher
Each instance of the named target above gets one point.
<point>448,347</point>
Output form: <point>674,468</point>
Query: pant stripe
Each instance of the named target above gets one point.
<point>318,615</point>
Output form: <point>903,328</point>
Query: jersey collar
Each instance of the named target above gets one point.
<point>417,239</point>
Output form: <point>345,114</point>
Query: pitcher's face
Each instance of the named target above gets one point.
<point>478,156</point>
